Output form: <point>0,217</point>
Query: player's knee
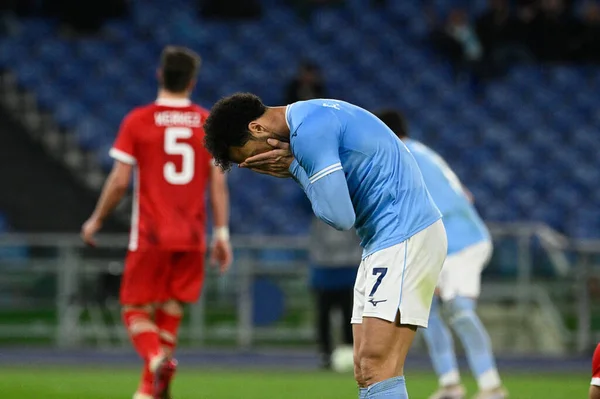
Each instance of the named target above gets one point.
<point>463,317</point>
<point>172,307</point>
<point>371,362</point>
<point>465,321</point>
<point>138,319</point>
<point>357,373</point>
<point>460,309</point>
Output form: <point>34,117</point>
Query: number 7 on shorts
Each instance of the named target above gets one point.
<point>381,271</point>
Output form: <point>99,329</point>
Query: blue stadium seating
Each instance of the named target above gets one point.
<point>527,148</point>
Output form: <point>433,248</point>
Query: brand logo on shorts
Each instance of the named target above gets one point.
<point>374,302</point>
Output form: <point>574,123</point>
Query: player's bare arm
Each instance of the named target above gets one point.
<point>221,254</point>
<point>114,190</point>
<point>275,162</point>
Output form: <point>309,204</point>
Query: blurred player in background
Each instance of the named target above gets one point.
<point>595,384</point>
<point>163,144</point>
<point>469,250</point>
<point>355,173</point>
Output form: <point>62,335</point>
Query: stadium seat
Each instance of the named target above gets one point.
<point>119,30</point>
<point>54,51</point>
<point>67,114</point>
<point>92,133</point>
<point>31,75</point>
<point>495,143</point>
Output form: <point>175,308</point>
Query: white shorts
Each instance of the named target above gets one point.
<point>461,274</point>
<point>401,278</point>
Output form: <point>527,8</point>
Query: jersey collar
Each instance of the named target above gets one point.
<point>173,102</point>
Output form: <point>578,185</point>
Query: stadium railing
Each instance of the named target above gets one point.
<point>64,294</point>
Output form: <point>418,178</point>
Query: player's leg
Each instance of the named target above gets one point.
<point>168,317</point>
<point>140,289</point>
<point>382,353</point>
<point>441,350</point>
<point>358,306</point>
<point>169,313</point>
<point>357,340</point>
<point>184,284</point>
<point>400,282</point>
<point>144,337</point>
<point>324,300</point>
<point>441,346</point>
<point>464,271</point>
<point>477,345</point>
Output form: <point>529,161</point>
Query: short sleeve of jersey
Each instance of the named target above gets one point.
<point>315,144</point>
<point>123,149</point>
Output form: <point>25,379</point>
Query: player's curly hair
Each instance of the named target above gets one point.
<point>227,125</point>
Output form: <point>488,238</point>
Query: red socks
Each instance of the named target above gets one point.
<point>147,381</point>
<point>168,326</point>
<point>151,339</point>
<point>143,333</point>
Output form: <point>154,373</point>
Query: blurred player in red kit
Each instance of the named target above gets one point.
<point>595,384</point>
<point>162,144</point>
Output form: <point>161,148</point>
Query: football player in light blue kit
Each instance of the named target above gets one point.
<point>355,172</point>
<point>469,249</point>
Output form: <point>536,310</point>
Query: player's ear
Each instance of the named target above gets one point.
<point>255,128</point>
<point>159,75</point>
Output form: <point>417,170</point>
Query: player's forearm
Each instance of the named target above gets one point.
<point>219,198</point>
<point>328,196</point>
<point>331,202</point>
<point>112,193</point>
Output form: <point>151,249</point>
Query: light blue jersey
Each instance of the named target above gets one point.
<point>464,226</point>
<point>356,172</point>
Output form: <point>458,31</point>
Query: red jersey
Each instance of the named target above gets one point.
<point>164,141</point>
<point>596,367</point>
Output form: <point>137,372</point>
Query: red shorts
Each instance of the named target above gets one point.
<point>159,275</point>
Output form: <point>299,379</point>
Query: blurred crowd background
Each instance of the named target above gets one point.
<point>506,91</point>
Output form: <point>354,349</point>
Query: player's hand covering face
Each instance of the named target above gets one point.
<point>275,162</point>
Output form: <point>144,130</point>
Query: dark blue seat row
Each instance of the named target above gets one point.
<point>527,148</point>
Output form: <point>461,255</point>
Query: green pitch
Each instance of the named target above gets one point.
<point>103,383</point>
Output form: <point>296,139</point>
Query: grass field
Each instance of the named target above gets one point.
<point>104,383</point>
